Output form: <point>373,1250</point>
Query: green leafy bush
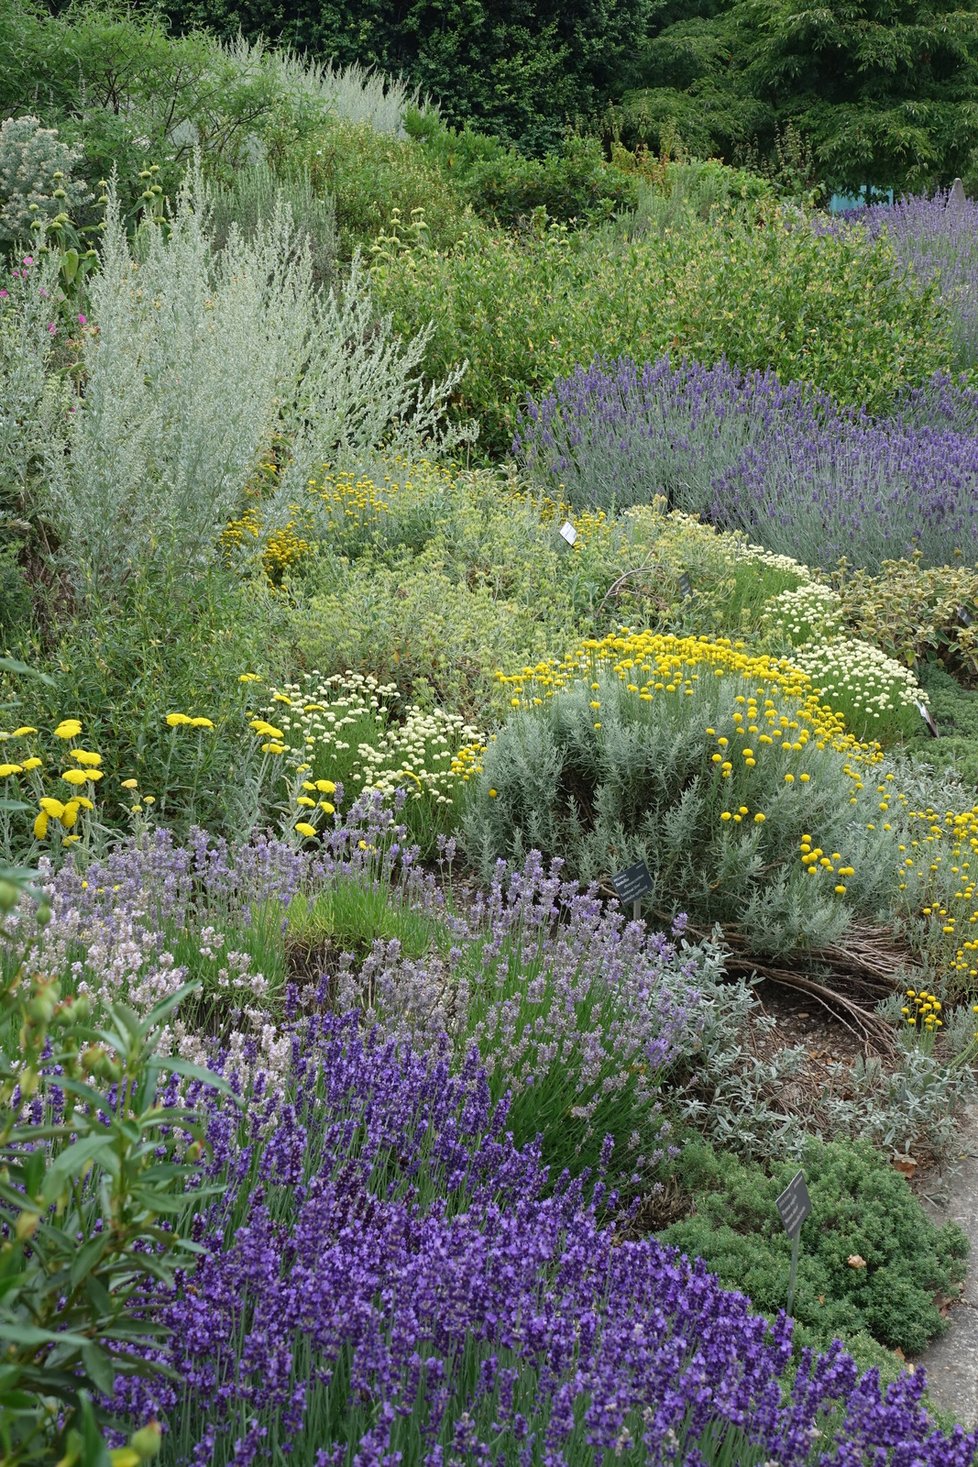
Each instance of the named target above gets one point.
<point>870,1259</point>
<point>375,178</point>
<point>97,1194</point>
<point>572,183</point>
<point>916,613</point>
<point>765,294</point>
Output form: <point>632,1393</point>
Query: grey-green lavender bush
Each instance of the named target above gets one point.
<point>201,361</point>
<point>36,180</point>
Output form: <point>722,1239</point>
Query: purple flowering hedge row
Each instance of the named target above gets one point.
<point>798,474</point>
<point>388,1278</point>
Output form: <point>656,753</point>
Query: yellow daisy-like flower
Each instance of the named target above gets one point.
<point>201,723</point>
<point>325,805</point>
<point>83,801</point>
<point>85,756</point>
<point>76,776</point>
<point>130,784</point>
<point>70,814</point>
<point>306,803</point>
<point>325,786</point>
<point>178,720</point>
<point>32,763</point>
<point>68,728</point>
<point>273,748</point>
<point>249,677</point>
<point>266,729</point>
<point>20,733</point>
<point>304,828</point>
<point>52,807</point>
<point>6,770</point>
<point>40,826</point>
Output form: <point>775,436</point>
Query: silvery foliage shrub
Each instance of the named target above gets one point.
<point>760,1107</point>
<point>32,399</point>
<point>200,360</point>
<point>35,177</point>
<point>353,93</point>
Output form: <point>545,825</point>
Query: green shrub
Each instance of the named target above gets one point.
<point>573,183</point>
<point>374,178</point>
<point>916,613</point>
<point>522,311</point>
<point>720,771</point>
<point>117,672</point>
<point>870,1259</point>
<point>97,1198</point>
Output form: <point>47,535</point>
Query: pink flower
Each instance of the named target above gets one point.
<point>27,260</point>
<point>43,293</point>
<point>4,294</point>
<point>82,320</point>
<point>52,329</point>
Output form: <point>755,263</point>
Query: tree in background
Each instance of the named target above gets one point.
<point>519,68</point>
<point>884,91</point>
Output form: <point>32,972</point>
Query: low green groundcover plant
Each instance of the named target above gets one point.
<point>870,1260</point>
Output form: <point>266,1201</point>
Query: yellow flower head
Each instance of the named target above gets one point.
<point>20,733</point>
<point>76,776</point>
<point>130,784</point>
<point>85,756</point>
<point>70,814</point>
<point>201,723</point>
<point>40,826</point>
<point>68,728</point>
<point>325,786</point>
<point>6,770</point>
<point>52,807</point>
<point>249,677</point>
<point>32,763</point>
<point>178,720</point>
<point>304,828</point>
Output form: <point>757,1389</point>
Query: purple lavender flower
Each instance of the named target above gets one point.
<point>385,1272</point>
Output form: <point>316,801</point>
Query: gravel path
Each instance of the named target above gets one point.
<point>952,1361</point>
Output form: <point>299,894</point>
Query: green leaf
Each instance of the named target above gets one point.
<point>98,1367</point>
<point>30,1336</point>
<point>73,1161</point>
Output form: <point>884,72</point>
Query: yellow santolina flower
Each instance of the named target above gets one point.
<point>201,723</point>
<point>6,770</point>
<point>305,801</point>
<point>32,763</point>
<point>274,748</point>
<point>68,728</point>
<point>265,729</point>
<point>304,828</point>
<point>70,814</point>
<point>40,826</point>
<point>52,807</point>
<point>78,776</point>
<point>85,756</point>
<point>249,677</point>
<point>327,807</point>
<point>20,733</point>
<point>130,784</point>
<point>178,720</point>
<point>325,786</point>
<point>83,801</point>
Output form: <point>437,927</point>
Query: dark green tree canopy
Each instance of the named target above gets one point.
<point>884,91</point>
<point>519,68</point>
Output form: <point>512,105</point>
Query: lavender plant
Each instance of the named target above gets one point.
<point>781,464</point>
<point>938,238</point>
<point>443,1299</point>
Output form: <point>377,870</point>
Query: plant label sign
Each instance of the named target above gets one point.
<point>685,585</point>
<point>964,616</point>
<point>567,532</point>
<point>928,718</point>
<point>794,1204</point>
<point>632,884</point>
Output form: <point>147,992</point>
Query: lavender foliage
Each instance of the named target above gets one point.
<point>795,473</point>
<point>387,1278</point>
<point>938,238</point>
